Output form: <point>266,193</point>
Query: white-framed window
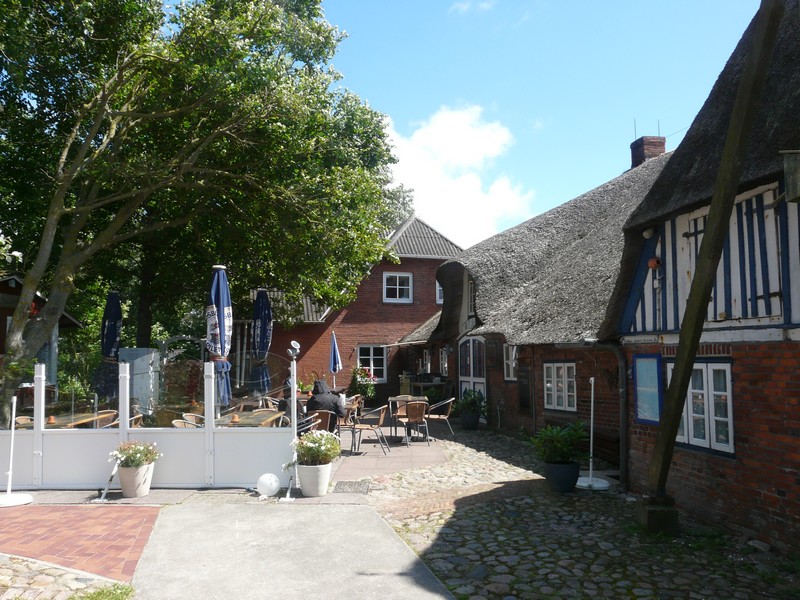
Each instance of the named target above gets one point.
<point>398,288</point>
<point>443,361</point>
<point>439,294</point>
<point>426,361</point>
<point>559,386</point>
<point>707,419</point>
<point>509,362</point>
<point>373,358</point>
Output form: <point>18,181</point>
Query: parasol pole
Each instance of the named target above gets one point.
<point>591,483</point>
<point>293,352</point>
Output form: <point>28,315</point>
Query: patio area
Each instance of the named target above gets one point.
<point>479,516</point>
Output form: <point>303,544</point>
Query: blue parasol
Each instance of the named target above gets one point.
<point>336,359</point>
<point>262,338</point>
<point>219,327</point>
<point>106,378</point>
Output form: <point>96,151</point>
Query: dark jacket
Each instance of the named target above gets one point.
<point>324,399</point>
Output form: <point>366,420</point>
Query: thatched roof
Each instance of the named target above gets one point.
<point>688,180</point>
<point>423,332</point>
<point>549,279</point>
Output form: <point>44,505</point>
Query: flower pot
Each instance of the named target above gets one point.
<point>135,481</point>
<point>314,479</point>
<point>470,420</point>
<point>562,477</point>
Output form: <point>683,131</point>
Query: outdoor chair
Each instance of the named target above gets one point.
<point>180,423</point>
<point>360,426</point>
<point>397,409</point>
<point>106,419</point>
<point>198,420</point>
<point>23,420</point>
<point>415,418</point>
<point>349,419</point>
<point>307,424</point>
<point>444,408</point>
<point>326,418</point>
<point>135,421</point>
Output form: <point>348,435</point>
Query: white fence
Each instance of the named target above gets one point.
<point>192,458</point>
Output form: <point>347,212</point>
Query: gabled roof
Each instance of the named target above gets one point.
<point>416,239</point>
<point>9,300</point>
<point>688,180</point>
<point>549,279</point>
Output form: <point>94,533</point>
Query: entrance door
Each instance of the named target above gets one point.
<point>472,365</point>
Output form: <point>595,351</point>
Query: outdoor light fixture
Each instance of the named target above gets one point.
<point>648,233</point>
<point>294,350</point>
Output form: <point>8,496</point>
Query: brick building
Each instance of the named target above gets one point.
<point>393,300</point>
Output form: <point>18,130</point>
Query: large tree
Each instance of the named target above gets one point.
<point>160,144</point>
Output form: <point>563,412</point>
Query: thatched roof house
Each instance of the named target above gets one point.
<point>688,180</point>
<point>549,279</point>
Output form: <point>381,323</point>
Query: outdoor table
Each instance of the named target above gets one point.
<point>395,402</point>
<point>264,418</point>
<point>67,421</point>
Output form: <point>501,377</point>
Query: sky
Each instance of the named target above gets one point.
<point>499,110</point>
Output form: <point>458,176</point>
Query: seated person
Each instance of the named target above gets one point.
<point>324,399</point>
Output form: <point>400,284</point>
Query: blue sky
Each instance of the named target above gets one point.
<point>502,109</point>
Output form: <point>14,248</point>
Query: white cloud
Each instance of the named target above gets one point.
<point>449,162</point>
<point>465,7</point>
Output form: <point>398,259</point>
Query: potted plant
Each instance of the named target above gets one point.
<point>469,408</point>
<point>135,466</point>
<point>315,451</point>
<point>560,448</point>
<point>362,382</point>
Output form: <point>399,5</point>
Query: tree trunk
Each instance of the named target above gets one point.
<point>144,313</point>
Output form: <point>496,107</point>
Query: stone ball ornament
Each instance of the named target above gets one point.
<point>268,484</point>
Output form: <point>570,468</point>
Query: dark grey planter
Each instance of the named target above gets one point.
<point>562,477</point>
<point>469,421</point>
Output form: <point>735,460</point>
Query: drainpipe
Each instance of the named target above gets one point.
<point>623,410</point>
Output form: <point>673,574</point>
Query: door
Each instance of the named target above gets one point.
<point>472,365</point>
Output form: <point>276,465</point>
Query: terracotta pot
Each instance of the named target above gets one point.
<point>314,479</point>
<point>135,481</point>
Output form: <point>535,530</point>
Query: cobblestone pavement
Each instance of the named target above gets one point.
<point>488,527</point>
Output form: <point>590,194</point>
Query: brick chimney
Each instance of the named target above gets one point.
<point>647,147</point>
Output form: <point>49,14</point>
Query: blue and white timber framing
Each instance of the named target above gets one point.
<point>757,292</point>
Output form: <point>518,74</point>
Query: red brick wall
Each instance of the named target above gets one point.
<point>589,362</point>
<point>368,320</point>
<point>756,491</point>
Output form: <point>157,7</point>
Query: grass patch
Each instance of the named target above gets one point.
<point>118,591</point>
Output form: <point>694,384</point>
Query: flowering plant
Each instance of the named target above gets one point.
<point>135,454</point>
<point>362,382</point>
<point>318,447</point>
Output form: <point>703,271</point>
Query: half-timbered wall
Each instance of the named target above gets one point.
<point>754,285</point>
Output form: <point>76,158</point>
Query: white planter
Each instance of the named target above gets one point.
<point>135,481</point>
<point>314,479</point>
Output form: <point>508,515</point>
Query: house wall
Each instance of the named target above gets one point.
<point>368,320</point>
<point>755,490</point>
<point>506,399</point>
